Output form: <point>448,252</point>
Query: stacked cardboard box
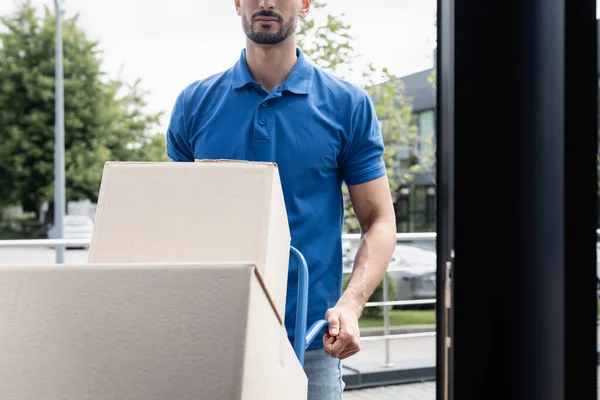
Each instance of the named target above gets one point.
<point>183,296</point>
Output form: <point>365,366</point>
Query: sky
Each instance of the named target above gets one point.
<point>169,47</point>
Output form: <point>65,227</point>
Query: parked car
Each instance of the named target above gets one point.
<point>74,227</point>
<point>348,252</point>
<point>413,269</point>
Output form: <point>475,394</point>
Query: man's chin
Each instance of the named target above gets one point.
<point>268,39</point>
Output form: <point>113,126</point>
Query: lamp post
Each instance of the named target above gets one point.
<point>59,140</point>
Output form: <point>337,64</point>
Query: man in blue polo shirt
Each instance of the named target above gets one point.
<point>273,105</point>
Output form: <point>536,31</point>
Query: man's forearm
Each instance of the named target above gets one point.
<point>371,262</point>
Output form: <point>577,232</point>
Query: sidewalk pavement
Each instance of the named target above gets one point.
<point>415,391</point>
<point>402,353</point>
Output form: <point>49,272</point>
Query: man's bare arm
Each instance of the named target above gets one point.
<point>374,209</point>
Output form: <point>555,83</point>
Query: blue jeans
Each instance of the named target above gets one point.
<point>324,375</point>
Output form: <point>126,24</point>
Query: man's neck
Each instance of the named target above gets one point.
<point>270,65</point>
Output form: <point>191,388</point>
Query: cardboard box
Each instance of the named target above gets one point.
<point>217,211</point>
<point>143,332</point>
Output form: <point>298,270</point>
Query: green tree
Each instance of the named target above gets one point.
<point>328,43</point>
<point>104,119</point>
<point>424,161</point>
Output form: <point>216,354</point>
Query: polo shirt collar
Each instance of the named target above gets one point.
<point>299,81</point>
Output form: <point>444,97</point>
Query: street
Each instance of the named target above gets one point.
<point>415,391</point>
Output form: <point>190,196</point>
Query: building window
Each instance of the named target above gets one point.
<point>403,210</point>
<point>416,209</point>
<point>430,208</point>
<point>426,135</point>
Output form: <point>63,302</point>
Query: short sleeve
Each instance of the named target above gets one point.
<point>178,144</point>
<point>362,160</point>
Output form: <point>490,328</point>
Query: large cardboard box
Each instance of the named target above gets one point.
<point>143,332</point>
<point>212,211</point>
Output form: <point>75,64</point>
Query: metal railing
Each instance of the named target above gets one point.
<point>54,243</point>
<point>386,303</point>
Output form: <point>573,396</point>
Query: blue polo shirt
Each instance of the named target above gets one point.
<point>320,130</point>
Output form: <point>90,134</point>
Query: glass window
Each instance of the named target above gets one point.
<point>430,208</point>
<point>426,133</point>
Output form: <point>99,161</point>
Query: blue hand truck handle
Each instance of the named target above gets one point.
<point>303,339</point>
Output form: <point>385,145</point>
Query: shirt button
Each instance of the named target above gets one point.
<point>262,122</point>
<point>264,104</point>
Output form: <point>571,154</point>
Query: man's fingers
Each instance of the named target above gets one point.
<point>335,345</point>
<point>328,341</point>
<point>333,319</point>
<point>342,338</point>
<point>339,345</point>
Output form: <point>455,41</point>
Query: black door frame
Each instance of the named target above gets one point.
<point>523,75</point>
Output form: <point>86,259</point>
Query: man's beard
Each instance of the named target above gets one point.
<point>269,37</point>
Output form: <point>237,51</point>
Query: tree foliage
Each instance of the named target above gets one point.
<point>104,118</point>
<point>328,44</point>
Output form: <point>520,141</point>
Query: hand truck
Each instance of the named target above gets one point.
<point>302,338</point>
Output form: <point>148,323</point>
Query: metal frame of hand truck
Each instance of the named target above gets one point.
<point>303,338</point>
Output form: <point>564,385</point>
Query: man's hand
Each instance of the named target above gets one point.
<point>374,210</point>
<point>343,337</point>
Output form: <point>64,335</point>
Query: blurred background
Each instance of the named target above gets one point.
<point>124,64</point>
